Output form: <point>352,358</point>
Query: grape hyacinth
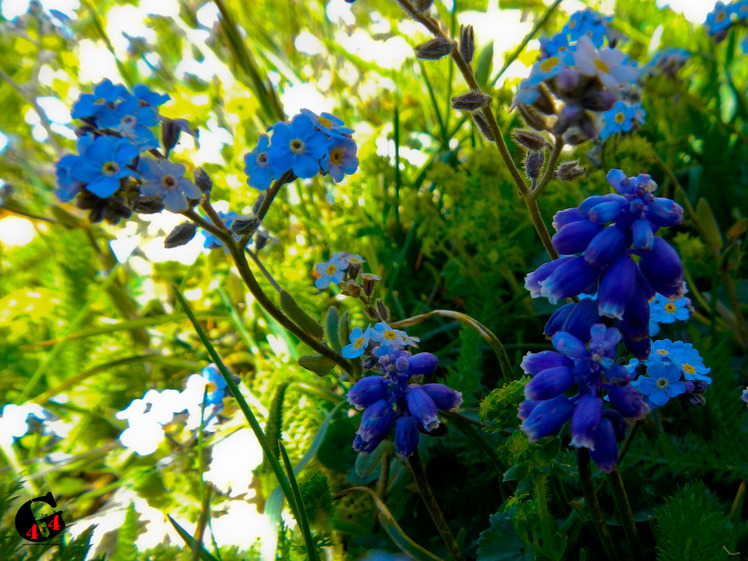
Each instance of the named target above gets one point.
<point>599,239</point>
<point>392,398</point>
<point>591,367</point>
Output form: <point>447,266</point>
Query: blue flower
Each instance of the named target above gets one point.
<point>328,123</point>
<point>555,45</point>
<point>739,10</point>
<point>92,105</point>
<point>297,146</point>
<point>391,400</point>
<point>662,382</point>
<point>165,180</point>
<point>359,340</point>
<point>215,385</point>
<point>388,337</point>
<point>257,166</point>
<point>587,23</point>
<point>617,120</point>
<point>67,186</point>
<point>662,310</point>
<point>340,159</point>
<point>133,120</point>
<point>718,20</point>
<point>684,356</point>
<point>592,368</point>
<point>668,61</point>
<point>148,97</point>
<point>103,163</point>
<point>331,271</point>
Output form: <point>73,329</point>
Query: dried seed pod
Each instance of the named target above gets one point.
<point>467,42</point>
<point>203,180</point>
<point>180,235</point>
<point>530,140</point>
<point>569,171</point>
<point>435,49</point>
<point>532,118</point>
<point>471,101</point>
<point>483,127</point>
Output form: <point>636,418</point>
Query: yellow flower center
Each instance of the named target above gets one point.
<point>336,156</point>
<point>670,308</point>
<point>324,121</point>
<point>662,352</point>
<point>620,118</point>
<point>601,66</point>
<point>688,368</point>
<point>359,342</point>
<point>210,387</point>
<point>297,146</point>
<point>391,335</point>
<point>662,383</point>
<point>331,269</point>
<point>547,64</point>
<point>109,168</point>
<point>720,16</point>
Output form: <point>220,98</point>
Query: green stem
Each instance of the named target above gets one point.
<point>546,530</point>
<point>625,513</point>
<point>498,138</point>
<point>593,505</point>
<point>419,475</point>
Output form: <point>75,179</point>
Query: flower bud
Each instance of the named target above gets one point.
<point>422,407</point>
<point>532,118</point>
<point>203,180</point>
<point>146,205</point>
<point>471,101</point>
<point>435,49</point>
<point>483,127</point>
<point>367,391</point>
<point>530,140</point>
<point>534,164</point>
<point>467,42</point>
<point>599,100</point>
<point>569,171</point>
<point>180,235</point>
<point>170,131</point>
<point>382,309</point>
<point>244,224</point>
<point>445,399</point>
<point>369,281</point>
<point>406,436</point>
<point>351,288</point>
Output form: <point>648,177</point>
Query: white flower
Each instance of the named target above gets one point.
<point>607,64</point>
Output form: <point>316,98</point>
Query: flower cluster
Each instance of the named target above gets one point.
<point>589,364</point>
<point>393,397</point>
<point>662,310</point>
<point>307,145</point>
<point>599,239</point>
<point>576,77</point>
<point>18,420</point>
<point>719,20</point>
<point>673,369</point>
<point>108,176</point>
<point>341,267</point>
<point>150,417</point>
<point>667,62</point>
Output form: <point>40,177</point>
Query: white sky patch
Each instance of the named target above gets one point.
<point>389,54</point>
<point>308,44</point>
<point>208,15</point>
<point>212,140</point>
<point>128,20</point>
<point>298,96</point>
<point>3,142</point>
<point>694,11</point>
<point>96,63</point>
<point>55,110</point>
<point>16,231</point>
<point>166,8</point>
<point>340,11</point>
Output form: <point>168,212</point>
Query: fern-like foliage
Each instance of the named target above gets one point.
<point>692,526</point>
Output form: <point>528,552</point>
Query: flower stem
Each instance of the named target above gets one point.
<point>467,73</point>
<point>625,513</point>
<point>593,505</point>
<point>550,168</point>
<point>419,475</point>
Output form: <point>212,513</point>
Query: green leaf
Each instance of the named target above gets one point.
<point>483,66</point>
<point>367,463</point>
<point>332,329</point>
<point>190,541</point>
<point>318,364</point>
<point>299,316</point>
<point>500,542</point>
<point>708,224</point>
<point>344,330</point>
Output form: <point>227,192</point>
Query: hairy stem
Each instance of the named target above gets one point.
<point>419,475</point>
<point>550,168</point>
